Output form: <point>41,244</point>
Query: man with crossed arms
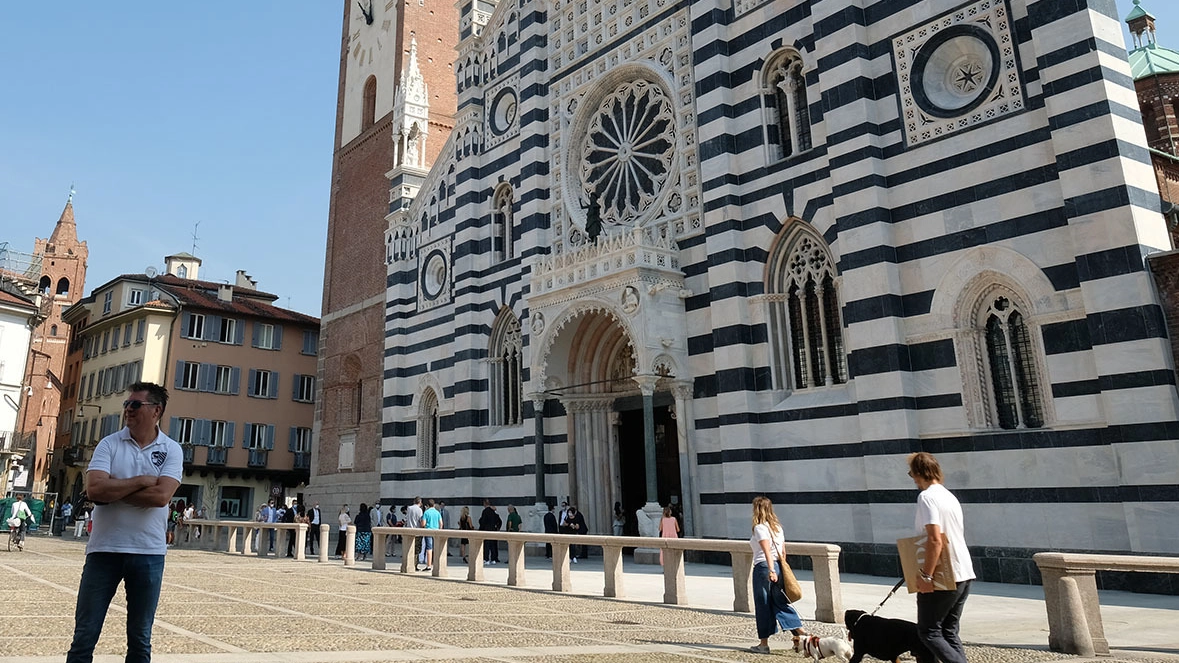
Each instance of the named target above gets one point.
<point>131,478</point>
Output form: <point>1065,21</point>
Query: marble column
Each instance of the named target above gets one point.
<point>682,390</point>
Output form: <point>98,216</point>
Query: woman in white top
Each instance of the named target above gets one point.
<point>939,516</point>
<point>345,521</point>
<point>770,608</point>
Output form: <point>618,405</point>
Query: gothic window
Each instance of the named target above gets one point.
<point>788,122</point>
<point>44,285</point>
<point>805,333</point>
<point>428,431</point>
<point>507,381</point>
<point>1011,372</point>
<point>368,113</point>
<point>63,286</point>
<point>501,214</point>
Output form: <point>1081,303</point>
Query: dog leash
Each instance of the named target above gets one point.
<point>878,607</point>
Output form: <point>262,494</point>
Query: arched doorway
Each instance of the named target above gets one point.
<point>593,368</point>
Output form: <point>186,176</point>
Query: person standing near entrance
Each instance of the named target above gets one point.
<point>575,524</point>
<point>669,528</point>
<point>313,522</point>
<point>489,521</point>
<point>939,516</point>
<point>132,476</point>
<point>550,527</point>
<point>431,519</point>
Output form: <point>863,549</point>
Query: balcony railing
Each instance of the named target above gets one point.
<point>217,456</point>
<point>302,460</point>
<point>257,458</point>
<point>188,452</point>
<point>74,456</point>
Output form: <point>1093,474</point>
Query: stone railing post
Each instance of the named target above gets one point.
<point>440,562</point>
<point>325,534</point>
<point>378,551</point>
<point>249,538</point>
<point>742,581</point>
<point>409,559</point>
<point>515,563</point>
<point>673,577</point>
<point>231,544</point>
<point>828,597</point>
<point>561,580</point>
<point>1070,597</point>
<point>475,555</point>
<point>350,546</point>
<point>612,566</point>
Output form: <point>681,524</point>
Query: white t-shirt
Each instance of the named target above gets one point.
<point>761,532</point>
<point>936,505</point>
<point>121,527</point>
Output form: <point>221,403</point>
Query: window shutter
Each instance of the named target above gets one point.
<point>257,328</point>
<point>273,385</point>
<point>235,378</point>
<point>229,426</point>
<point>179,374</point>
<point>270,437</point>
<point>253,380</point>
<point>295,389</point>
<point>140,331</point>
<point>203,381</point>
<point>174,428</point>
<point>249,434</point>
<point>294,438</point>
<point>203,429</point>
<point>212,327</point>
<point>240,331</point>
<point>185,321</point>
<point>278,337</point>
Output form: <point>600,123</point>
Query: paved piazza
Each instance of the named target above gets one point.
<point>225,608</point>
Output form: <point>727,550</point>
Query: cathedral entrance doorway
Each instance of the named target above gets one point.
<point>632,461</point>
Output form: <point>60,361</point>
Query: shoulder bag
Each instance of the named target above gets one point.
<point>786,580</point>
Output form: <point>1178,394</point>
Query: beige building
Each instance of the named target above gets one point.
<point>240,372</point>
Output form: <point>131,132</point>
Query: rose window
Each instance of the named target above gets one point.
<point>628,151</point>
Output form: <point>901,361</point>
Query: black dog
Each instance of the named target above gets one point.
<point>885,639</point>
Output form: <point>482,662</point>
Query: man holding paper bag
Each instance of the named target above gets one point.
<point>939,519</point>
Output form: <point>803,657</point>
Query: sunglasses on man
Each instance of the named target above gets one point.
<point>135,405</point>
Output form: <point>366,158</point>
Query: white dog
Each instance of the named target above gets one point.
<point>818,648</point>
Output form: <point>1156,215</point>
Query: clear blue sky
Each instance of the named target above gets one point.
<point>165,114</point>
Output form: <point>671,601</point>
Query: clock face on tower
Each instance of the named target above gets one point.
<point>368,31</point>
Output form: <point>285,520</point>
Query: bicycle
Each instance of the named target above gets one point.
<point>16,537</point>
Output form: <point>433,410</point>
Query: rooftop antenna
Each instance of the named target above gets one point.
<point>195,237</point>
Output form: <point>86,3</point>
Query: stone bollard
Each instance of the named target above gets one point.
<point>378,552</point>
<point>301,541</point>
<point>325,535</point>
<point>409,559</point>
<point>475,554</point>
<point>248,539</point>
<point>1074,637</point>
<point>350,546</point>
<point>440,561</point>
<point>231,545</point>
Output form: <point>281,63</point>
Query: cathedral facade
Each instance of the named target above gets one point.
<point>688,253</point>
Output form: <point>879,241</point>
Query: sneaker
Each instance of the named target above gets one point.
<point>428,568</point>
<point>760,649</point>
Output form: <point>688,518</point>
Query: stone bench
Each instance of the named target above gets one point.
<point>1070,595</point>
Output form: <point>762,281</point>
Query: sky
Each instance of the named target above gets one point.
<point>170,119</point>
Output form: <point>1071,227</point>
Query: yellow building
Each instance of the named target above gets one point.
<point>240,373</point>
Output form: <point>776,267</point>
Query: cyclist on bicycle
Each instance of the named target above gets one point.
<point>20,511</point>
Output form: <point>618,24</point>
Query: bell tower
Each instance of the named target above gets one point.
<point>61,284</point>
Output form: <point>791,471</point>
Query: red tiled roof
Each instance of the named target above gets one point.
<point>203,295</point>
<point>9,298</point>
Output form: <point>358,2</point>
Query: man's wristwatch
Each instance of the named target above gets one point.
<point>926,577</point>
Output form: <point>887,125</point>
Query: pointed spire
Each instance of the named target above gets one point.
<point>66,231</point>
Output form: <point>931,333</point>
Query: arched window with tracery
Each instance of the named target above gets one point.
<point>428,431</point>
<point>506,354</point>
<point>501,213</point>
<point>805,331</point>
<point>788,118</point>
<point>1007,348</point>
<point>368,112</point>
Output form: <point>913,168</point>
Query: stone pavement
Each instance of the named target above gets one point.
<point>224,608</point>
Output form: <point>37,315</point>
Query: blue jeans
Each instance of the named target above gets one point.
<point>770,611</point>
<point>937,622</point>
<point>142,577</point>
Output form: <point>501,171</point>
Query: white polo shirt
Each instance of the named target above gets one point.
<point>121,527</point>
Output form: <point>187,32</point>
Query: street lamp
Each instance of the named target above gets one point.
<point>85,405</point>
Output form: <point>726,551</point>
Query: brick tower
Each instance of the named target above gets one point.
<point>394,111</point>
<point>61,284</point>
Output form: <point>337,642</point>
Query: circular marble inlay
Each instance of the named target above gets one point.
<point>503,111</point>
<point>434,274</point>
<point>955,71</point>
